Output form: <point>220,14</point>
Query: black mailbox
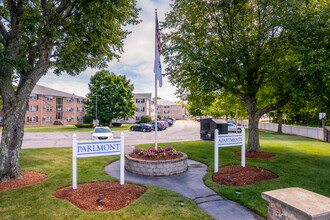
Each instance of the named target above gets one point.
<point>208,126</point>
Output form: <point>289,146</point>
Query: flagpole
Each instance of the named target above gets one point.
<point>156,107</point>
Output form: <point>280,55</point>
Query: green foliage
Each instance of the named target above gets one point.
<point>263,52</point>
<point>114,96</point>
<point>88,119</point>
<point>159,117</point>
<point>145,119</point>
<point>80,125</point>
<point>116,124</point>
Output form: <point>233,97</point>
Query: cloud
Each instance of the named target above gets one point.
<point>136,62</point>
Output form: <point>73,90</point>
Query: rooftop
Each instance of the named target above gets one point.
<point>42,90</point>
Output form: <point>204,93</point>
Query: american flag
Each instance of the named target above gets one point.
<point>158,45</point>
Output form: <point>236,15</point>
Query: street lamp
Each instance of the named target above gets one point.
<point>96,107</point>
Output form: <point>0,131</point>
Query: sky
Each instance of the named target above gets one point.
<point>137,61</point>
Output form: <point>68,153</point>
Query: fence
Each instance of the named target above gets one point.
<point>311,132</point>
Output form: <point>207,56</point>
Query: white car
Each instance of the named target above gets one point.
<point>232,127</point>
<point>102,133</point>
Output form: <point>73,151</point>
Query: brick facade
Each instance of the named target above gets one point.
<point>48,107</point>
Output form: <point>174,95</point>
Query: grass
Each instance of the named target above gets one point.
<point>67,128</point>
<point>299,162</point>
<point>36,201</point>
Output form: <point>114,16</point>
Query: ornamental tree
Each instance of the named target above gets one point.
<point>114,97</point>
<point>61,36</point>
<point>249,48</point>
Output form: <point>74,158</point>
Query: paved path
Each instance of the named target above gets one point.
<point>191,185</point>
<point>182,130</point>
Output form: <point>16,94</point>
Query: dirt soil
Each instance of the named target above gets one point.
<point>115,196</point>
<point>157,157</point>
<point>241,176</point>
<point>260,155</point>
<point>28,177</point>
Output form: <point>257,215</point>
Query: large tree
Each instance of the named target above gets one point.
<point>63,36</point>
<point>250,48</point>
<point>114,97</point>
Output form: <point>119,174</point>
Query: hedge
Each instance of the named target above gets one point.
<point>81,125</point>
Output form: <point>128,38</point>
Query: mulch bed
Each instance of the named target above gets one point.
<point>263,130</point>
<point>260,155</point>
<point>28,177</point>
<point>156,157</point>
<point>241,176</point>
<point>115,196</point>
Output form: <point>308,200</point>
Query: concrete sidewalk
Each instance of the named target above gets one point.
<point>191,185</point>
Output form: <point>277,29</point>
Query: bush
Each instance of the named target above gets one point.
<point>145,119</point>
<point>105,124</point>
<point>116,124</point>
<point>84,125</point>
<point>159,117</point>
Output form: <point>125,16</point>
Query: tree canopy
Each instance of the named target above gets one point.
<point>114,96</point>
<point>249,48</point>
<point>49,35</point>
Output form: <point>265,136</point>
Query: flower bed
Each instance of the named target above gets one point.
<point>160,162</point>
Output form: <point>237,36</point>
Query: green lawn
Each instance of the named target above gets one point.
<point>299,162</point>
<point>36,201</point>
<point>67,128</point>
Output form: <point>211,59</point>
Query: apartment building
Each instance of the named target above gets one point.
<point>49,106</point>
<point>145,105</point>
<point>168,109</point>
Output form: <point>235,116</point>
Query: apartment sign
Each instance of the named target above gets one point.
<point>228,140</point>
<point>97,148</point>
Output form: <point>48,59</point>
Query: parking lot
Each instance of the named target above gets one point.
<point>182,130</point>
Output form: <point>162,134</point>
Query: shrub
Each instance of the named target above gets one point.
<point>84,125</point>
<point>145,119</point>
<point>116,124</point>
<point>159,117</point>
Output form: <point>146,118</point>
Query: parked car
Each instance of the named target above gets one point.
<point>232,127</point>
<point>161,126</point>
<point>165,123</point>
<point>102,133</point>
<point>173,119</point>
<point>142,127</point>
<point>170,121</point>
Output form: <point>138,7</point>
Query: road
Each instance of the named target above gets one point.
<point>181,131</point>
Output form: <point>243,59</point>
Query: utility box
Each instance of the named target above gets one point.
<point>208,126</point>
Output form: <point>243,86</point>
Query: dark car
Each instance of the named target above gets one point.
<point>141,127</point>
<point>160,125</point>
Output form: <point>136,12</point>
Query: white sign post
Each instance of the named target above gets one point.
<point>97,148</point>
<point>228,140</point>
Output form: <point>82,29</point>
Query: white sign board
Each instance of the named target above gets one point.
<point>96,148</point>
<point>228,140</point>
<point>322,115</point>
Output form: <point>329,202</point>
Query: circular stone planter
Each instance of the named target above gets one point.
<point>156,167</point>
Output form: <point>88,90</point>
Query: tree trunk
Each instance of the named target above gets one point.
<point>110,122</point>
<point>11,139</point>
<point>253,140</point>
<point>280,117</point>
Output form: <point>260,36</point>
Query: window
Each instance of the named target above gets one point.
<point>1,119</point>
<point>49,108</point>
<point>166,106</point>
<point>69,118</point>
<point>126,118</point>
<point>80,100</point>
<point>32,119</point>
<point>48,118</point>
<point>166,112</point>
<point>80,109</point>
<point>33,96</point>
<point>139,100</point>
<point>80,118</point>
<point>138,118</point>
<point>68,99</point>
<point>69,109</point>
<point>33,108</point>
<point>49,97</point>
<point>140,109</point>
